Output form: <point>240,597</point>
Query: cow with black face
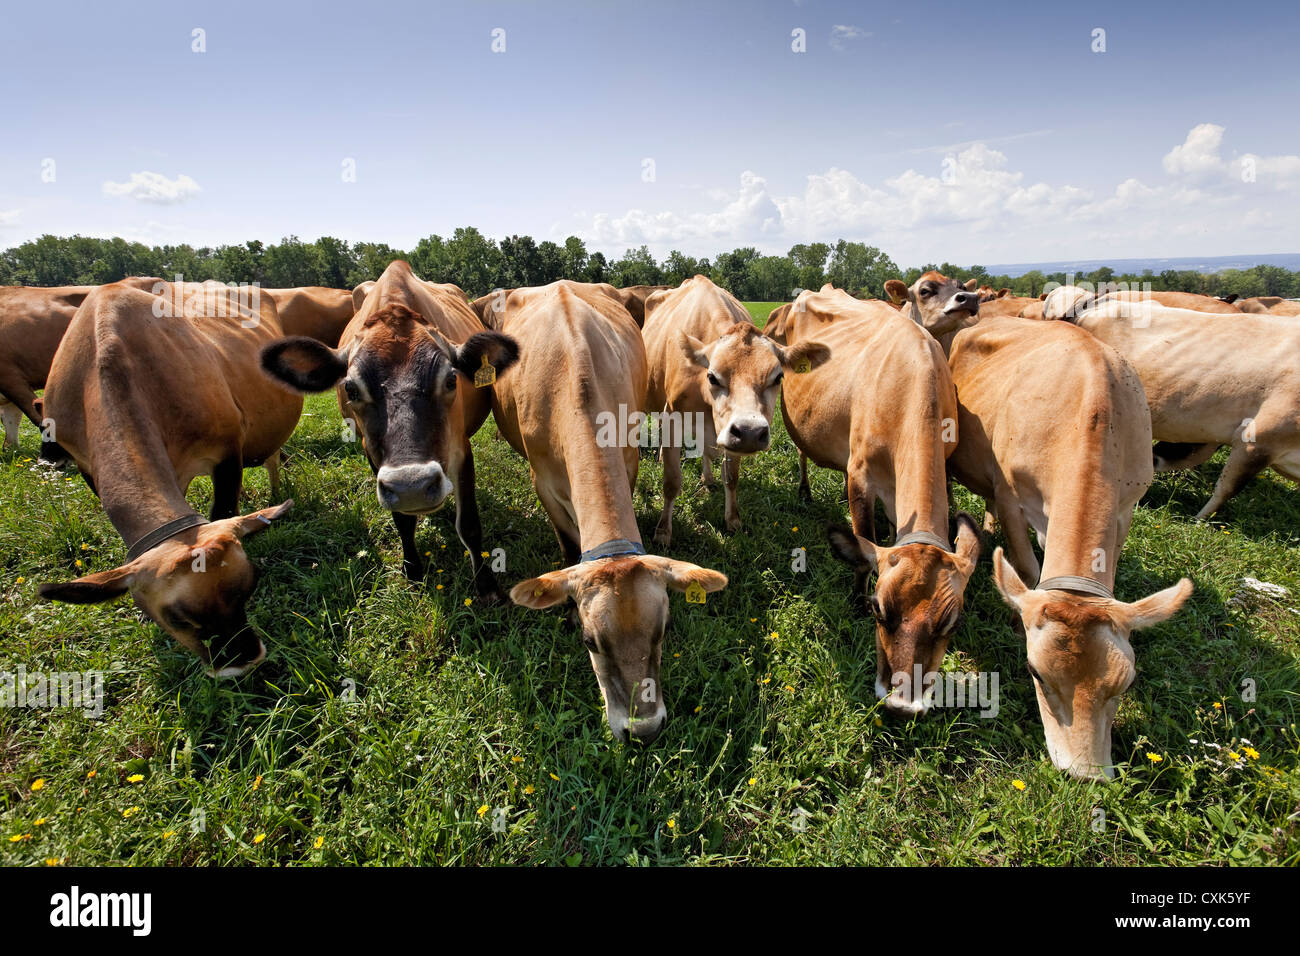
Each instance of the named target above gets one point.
<point>413,373</point>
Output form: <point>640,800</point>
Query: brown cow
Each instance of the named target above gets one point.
<point>317,312</point>
<point>1007,305</point>
<point>412,374</point>
<point>146,399</point>
<point>32,323</point>
<point>1073,471</point>
<point>938,304</point>
<point>634,298</point>
<point>709,362</point>
<point>1174,300</point>
<point>1210,380</point>
<point>883,409</point>
<point>1270,305</point>
<point>581,374</point>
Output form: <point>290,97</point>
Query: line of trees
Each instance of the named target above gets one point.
<point>478,265</point>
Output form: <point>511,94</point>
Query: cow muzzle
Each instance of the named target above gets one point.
<point>746,436</point>
<point>413,489</point>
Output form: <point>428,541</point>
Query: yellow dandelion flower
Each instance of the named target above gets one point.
<point>1217,705</point>
<point>677,654</point>
<point>1155,758</point>
<point>698,708</point>
<point>752,620</point>
<point>135,778</point>
<point>1018,784</point>
<point>1251,752</point>
<point>16,838</point>
<point>257,782</point>
<point>1233,755</point>
<point>90,775</point>
<point>38,784</point>
<point>168,834</point>
<point>753,780</point>
<point>320,842</point>
<point>516,759</point>
<point>428,554</point>
<point>672,824</point>
<point>766,680</point>
<point>130,812</point>
<point>20,580</point>
<point>259,838</point>
<point>468,601</point>
<point>878,722</point>
<point>51,861</point>
<point>40,821</point>
<point>85,547</point>
<point>483,809</point>
<point>775,635</point>
<point>78,562</point>
<point>795,528</point>
<point>554,777</point>
<point>484,554</point>
<point>439,587</point>
<point>530,789</point>
<point>789,688</point>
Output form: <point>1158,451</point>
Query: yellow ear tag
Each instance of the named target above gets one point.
<point>803,365</point>
<point>695,593</point>
<point>538,591</point>
<point>486,374</point>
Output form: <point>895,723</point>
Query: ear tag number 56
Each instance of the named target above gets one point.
<point>695,593</point>
<point>486,374</point>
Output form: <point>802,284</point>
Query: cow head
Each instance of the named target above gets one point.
<point>918,598</point>
<point>1081,662</point>
<point>194,586</point>
<point>405,387</point>
<point>622,606</point>
<point>743,371</point>
<point>936,303</point>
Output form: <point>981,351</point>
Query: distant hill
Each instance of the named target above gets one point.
<point>1287,260</point>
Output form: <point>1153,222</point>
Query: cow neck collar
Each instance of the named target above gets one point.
<point>1074,582</point>
<point>617,548</point>
<point>924,537</point>
<point>162,533</point>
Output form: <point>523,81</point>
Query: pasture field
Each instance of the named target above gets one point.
<point>401,724</point>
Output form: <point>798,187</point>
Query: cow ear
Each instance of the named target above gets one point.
<point>245,526</point>
<point>970,285</point>
<point>485,348</point>
<point>304,364</point>
<point>93,588</point>
<point>1154,608</point>
<point>897,291</point>
<point>967,543</point>
<point>813,353</point>
<point>545,591</point>
<point>680,575</point>
<point>1010,586</point>
<point>692,348</point>
<point>1003,292</point>
<point>852,549</point>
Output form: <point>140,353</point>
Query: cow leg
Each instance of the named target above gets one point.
<point>862,512</point>
<point>273,472</point>
<point>1016,532</point>
<point>470,530</point>
<point>805,490</point>
<point>1175,456</point>
<point>1242,466</point>
<point>706,477</point>
<point>672,455</point>
<point>227,481</point>
<point>412,563</point>
<point>11,416</point>
<point>730,482</point>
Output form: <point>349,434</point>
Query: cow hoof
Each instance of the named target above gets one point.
<point>414,571</point>
<point>805,493</point>
<point>663,538</point>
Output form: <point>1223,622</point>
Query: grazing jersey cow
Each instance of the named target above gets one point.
<point>883,409</point>
<point>1210,380</point>
<point>1269,305</point>
<point>413,374</point>
<point>709,362</point>
<point>565,407</point>
<point>1073,471</point>
<point>32,323</point>
<point>938,304</point>
<point>317,312</point>
<point>146,399</point>
<point>1175,300</point>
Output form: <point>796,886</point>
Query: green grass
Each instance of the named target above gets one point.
<point>759,311</point>
<point>388,715</point>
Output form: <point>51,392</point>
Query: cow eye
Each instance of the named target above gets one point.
<point>1033,673</point>
<point>590,644</point>
<point>876,610</point>
<point>176,620</point>
<point>451,382</point>
<point>926,293</point>
<point>713,380</point>
<point>777,380</point>
<point>350,389</point>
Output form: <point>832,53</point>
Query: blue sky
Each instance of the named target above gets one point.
<point>962,131</point>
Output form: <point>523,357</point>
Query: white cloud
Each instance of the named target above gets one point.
<point>842,33</point>
<point>154,188</point>
<point>970,205</point>
<point>9,217</point>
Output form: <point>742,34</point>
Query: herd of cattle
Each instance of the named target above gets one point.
<point>1047,408</point>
